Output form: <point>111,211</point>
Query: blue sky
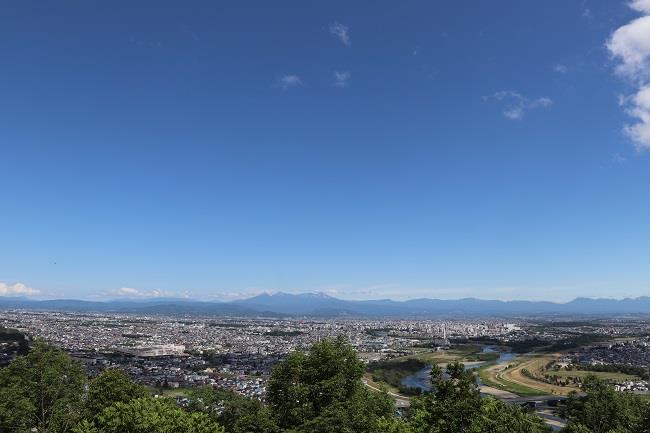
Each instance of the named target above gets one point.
<point>365,149</point>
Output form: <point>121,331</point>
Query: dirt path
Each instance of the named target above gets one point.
<point>400,400</point>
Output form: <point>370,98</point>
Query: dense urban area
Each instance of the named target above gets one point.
<point>534,363</point>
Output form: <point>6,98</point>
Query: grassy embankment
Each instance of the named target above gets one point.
<point>462,353</point>
<point>524,376</point>
<point>493,376</point>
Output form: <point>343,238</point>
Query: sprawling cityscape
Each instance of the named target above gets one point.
<point>521,361</point>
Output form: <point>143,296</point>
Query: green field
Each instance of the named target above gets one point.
<point>461,352</point>
<point>506,385</point>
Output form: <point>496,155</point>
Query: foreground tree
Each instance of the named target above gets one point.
<point>453,405</point>
<point>603,410</point>
<point>321,391</point>
<point>148,415</point>
<point>110,387</point>
<point>41,392</point>
<point>498,417</point>
<point>238,414</point>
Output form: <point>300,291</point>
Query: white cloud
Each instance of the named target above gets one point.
<point>560,69</point>
<point>127,291</point>
<point>641,6</point>
<point>17,289</point>
<point>232,296</point>
<point>342,32</point>
<point>131,292</point>
<point>342,79</point>
<point>630,45</point>
<point>638,106</point>
<point>516,105</point>
<point>287,81</point>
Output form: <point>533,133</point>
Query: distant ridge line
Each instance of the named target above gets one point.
<point>320,304</point>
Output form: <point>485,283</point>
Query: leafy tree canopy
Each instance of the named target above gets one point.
<point>321,391</point>
<point>110,387</point>
<point>149,415</point>
<point>41,392</point>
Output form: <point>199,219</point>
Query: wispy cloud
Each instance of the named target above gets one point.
<point>342,32</point>
<point>342,79</point>
<point>231,296</point>
<point>586,12</point>
<point>146,43</point>
<point>630,45</point>
<point>131,292</point>
<point>618,158</point>
<point>17,289</point>
<point>560,68</point>
<point>516,105</point>
<point>287,81</point>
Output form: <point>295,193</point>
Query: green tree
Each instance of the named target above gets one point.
<point>237,413</point>
<point>361,413</point>
<point>110,387</point>
<point>321,391</point>
<point>287,392</point>
<point>452,406</point>
<point>574,427</point>
<point>85,426</point>
<point>644,423</point>
<point>604,410</point>
<point>149,415</point>
<point>41,391</point>
<point>394,425</point>
<point>498,417</point>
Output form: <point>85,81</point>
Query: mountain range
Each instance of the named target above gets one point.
<point>322,305</point>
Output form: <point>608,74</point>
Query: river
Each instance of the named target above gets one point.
<point>422,378</point>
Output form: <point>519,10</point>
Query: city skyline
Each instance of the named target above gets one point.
<point>223,151</point>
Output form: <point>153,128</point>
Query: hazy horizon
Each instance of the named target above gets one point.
<point>241,297</point>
